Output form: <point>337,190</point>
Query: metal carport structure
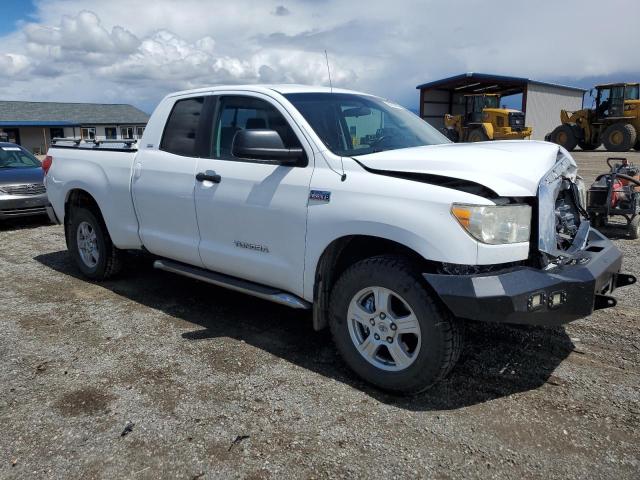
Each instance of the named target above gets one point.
<point>541,101</point>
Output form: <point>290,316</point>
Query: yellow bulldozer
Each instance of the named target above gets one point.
<point>614,122</point>
<point>483,120</point>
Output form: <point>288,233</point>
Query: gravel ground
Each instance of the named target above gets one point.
<point>154,375</point>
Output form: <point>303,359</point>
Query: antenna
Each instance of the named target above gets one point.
<point>326,57</point>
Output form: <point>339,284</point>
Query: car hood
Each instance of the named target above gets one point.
<point>18,176</point>
<point>509,168</point>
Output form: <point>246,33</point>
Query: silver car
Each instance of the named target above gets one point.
<point>22,192</point>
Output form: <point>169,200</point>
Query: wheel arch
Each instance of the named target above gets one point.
<point>343,252</point>
<point>79,197</point>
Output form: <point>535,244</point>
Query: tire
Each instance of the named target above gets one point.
<point>637,145</point>
<point>587,147</point>
<point>477,135</point>
<point>597,222</point>
<point>88,233</point>
<point>565,137</point>
<point>634,228</point>
<point>619,137</point>
<point>429,348</point>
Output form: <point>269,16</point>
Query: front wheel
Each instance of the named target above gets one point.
<point>90,245</point>
<point>389,329</point>
<point>477,135</point>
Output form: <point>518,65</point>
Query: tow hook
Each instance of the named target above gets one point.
<point>604,301</point>
<point>623,279</point>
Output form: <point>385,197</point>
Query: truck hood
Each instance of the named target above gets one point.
<point>509,168</point>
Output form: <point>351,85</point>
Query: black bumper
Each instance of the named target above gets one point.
<point>532,296</point>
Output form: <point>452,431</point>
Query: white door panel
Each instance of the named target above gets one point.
<point>163,194</point>
<point>253,223</point>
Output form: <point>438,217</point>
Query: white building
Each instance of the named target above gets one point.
<point>34,124</point>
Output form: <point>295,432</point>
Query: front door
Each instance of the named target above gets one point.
<point>164,181</point>
<point>253,221</point>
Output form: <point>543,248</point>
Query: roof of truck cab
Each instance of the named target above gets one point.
<point>265,88</point>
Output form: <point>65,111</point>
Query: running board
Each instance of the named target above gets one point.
<point>232,283</point>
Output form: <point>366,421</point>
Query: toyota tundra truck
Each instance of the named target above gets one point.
<point>349,206</point>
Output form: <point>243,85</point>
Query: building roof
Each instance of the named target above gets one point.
<point>17,113</point>
<point>472,82</point>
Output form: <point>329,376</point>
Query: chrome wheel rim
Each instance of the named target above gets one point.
<point>87,244</point>
<point>384,329</point>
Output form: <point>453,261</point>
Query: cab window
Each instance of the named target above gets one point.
<point>247,113</point>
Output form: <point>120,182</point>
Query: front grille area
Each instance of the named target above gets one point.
<point>28,189</point>
<point>20,212</point>
<point>516,120</point>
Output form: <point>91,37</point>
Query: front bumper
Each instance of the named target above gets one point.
<point>532,296</point>
<point>12,206</point>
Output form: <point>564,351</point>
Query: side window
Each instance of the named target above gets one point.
<point>247,113</point>
<point>180,132</point>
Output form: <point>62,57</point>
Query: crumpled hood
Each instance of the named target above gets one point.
<point>511,168</point>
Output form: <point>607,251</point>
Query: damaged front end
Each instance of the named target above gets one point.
<point>572,270</point>
<point>563,223</point>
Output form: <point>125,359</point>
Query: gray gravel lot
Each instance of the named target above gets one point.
<point>216,384</point>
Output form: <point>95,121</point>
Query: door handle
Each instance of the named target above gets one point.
<point>213,177</point>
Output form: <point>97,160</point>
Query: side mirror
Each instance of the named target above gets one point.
<point>262,144</point>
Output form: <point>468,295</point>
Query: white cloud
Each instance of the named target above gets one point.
<point>139,51</point>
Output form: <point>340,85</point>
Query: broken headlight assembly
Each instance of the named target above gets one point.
<point>494,224</point>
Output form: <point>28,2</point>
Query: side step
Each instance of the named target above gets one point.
<point>232,283</point>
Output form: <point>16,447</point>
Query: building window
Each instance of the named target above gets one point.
<point>110,133</point>
<point>139,132</point>
<point>56,132</point>
<point>126,133</point>
<point>88,133</point>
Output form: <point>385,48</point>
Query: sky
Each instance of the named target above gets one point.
<point>137,51</point>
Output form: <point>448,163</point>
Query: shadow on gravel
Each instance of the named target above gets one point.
<point>22,223</point>
<point>497,360</point>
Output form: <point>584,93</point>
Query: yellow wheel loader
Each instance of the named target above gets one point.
<point>484,120</point>
<point>614,122</point>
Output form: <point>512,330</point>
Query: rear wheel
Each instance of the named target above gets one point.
<point>619,137</point>
<point>477,135</point>
<point>564,136</point>
<point>90,245</point>
<point>389,329</point>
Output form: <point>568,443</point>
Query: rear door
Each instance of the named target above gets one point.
<point>164,180</point>
<point>253,222</point>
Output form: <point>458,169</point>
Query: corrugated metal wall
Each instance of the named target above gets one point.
<point>544,103</point>
<point>435,105</point>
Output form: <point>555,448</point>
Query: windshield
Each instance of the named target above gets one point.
<point>491,101</point>
<point>17,157</point>
<point>351,124</point>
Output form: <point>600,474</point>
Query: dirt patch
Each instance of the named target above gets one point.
<point>195,367</point>
<point>86,401</point>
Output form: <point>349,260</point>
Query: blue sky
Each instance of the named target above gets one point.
<point>13,12</point>
<point>137,51</point>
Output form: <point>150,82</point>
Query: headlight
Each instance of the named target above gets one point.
<point>495,224</point>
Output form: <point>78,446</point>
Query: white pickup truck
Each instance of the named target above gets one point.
<point>348,205</point>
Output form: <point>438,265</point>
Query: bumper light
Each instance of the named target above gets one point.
<point>495,224</point>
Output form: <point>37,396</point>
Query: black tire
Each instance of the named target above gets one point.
<point>477,135</point>
<point>565,137</point>
<point>587,147</point>
<point>637,145</point>
<point>619,137</point>
<point>441,334</point>
<point>109,260</point>
<point>634,228</point>
<point>597,221</point>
